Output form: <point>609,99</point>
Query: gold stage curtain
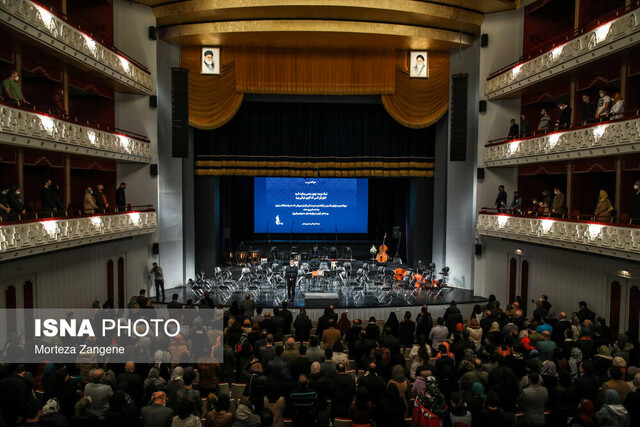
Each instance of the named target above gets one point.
<point>418,103</point>
<point>213,99</point>
<point>315,71</point>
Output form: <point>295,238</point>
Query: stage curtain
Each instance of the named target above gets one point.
<point>418,103</point>
<point>315,71</point>
<point>213,100</point>
<point>309,139</point>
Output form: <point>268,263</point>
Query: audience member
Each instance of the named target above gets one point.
<point>501,200</point>
<point>617,107</point>
<point>545,121</point>
<point>603,208</point>
<point>525,127</point>
<point>588,110</point>
<point>13,91</point>
<point>514,129</point>
<point>604,104</point>
<point>558,206</point>
<point>89,203</point>
<point>121,198</point>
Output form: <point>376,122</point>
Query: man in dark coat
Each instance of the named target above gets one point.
<point>121,199</point>
<point>344,390</point>
<point>501,200</point>
<point>47,197</point>
<point>15,393</point>
<point>514,129</point>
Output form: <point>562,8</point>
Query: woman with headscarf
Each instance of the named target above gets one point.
<point>475,332</point>
<point>612,412</point>
<point>393,323</point>
<point>603,208</point>
<point>418,356</point>
<point>495,334</point>
<point>603,362</point>
<point>177,348</point>
<point>220,415</point>
<point>51,416</point>
<point>154,382</point>
<point>83,414</point>
<point>360,409</point>
<point>586,416</point>
<point>430,406</point>
<point>401,382</point>
<point>344,324</point>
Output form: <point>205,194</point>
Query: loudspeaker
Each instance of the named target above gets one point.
<point>478,249</point>
<point>484,40</point>
<point>155,248</point>
<point>458,143</point>
<point>153,169</point>
<point>395,233</point>
<point>153,33</point>
<point>179,112</point>
<point>153,101</point>
<point>480,173</point>
<point>482,106</point>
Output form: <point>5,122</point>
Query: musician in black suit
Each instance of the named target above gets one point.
<point>291,274</point>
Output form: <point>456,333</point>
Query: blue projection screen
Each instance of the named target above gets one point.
<point>310,205</point>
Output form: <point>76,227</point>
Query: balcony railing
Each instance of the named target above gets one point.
<point>593,140</point>
<point>610,37</point>
<point>26,128</point>
<point>33,237</point>
<point>601,238</point>
<point>38,23</point>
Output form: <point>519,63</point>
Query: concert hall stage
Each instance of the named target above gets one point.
<point>327,275</point>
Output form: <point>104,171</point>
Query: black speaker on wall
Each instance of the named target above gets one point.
<point>396,233</point>
<point>153,169</point>
<point>458,143</point>
<point>482,106</point>
<point>478,249</point>
<point>484,40</point>
<point>480,173</point>
<point>179,112</point>
<point>153,101</point>
<point>153,33</point>
<point>155,248</point>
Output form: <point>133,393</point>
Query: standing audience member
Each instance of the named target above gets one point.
<point>99,393</point>
<point>514,129</point>
<point>603,208</point>
<point>47,197</point>
<point>525,127</point>
<point>121,198</point>
<point>5,208</point>
<point>501,200</point>
<point>15,201</point>
<point>157,414</point>
<point>220,415</point>
<point>13,91</point>
<point>558,206</point>
<point>545,121</point>
<point>57,105</point>
<point>89,203</point>
<point>604,104</point>
<point>617,107</point>
<point>565,115</point>
<point>302,326</point>
<point>101,199</point>
<point>588,110</point>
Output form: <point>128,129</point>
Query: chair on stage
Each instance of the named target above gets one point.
<point>342,422</point>
<point>237,389</point>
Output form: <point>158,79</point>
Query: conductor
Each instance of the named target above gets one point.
<point>291,274</point>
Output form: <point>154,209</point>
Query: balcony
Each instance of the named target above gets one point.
<point>26,128</point>
<point>34,22</point>
<point>591,45</point>
<point>617,240</point>
<point>616,137</point>
<point>34,237</point>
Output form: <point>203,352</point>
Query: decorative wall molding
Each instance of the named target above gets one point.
<point>611,37</point>
<point>37,237</point>
<point>30,129</point>
<point>36,22</point>
<point>609,139</point>
<point>596,238</point>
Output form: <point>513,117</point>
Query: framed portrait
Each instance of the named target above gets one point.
<point>418,66</point>
<point>210,60</point>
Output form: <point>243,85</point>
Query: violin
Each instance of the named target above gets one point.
<point>382,256</point>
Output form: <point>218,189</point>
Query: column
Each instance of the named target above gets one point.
<point>618,184</point>
<point>568,189</point>
<point>67,180</point>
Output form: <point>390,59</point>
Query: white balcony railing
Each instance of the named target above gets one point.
<point>41,236</point>
<point>39,24</point>
<point>594,237</point>
<point>598,140</point>
<point>30,129</point>
<point>613,36</point>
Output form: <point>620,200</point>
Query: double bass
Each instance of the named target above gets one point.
<point>382,256</point>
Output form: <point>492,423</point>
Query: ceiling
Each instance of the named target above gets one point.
<point>384,24</point>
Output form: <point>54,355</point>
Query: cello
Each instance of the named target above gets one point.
<point>382,256</point>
